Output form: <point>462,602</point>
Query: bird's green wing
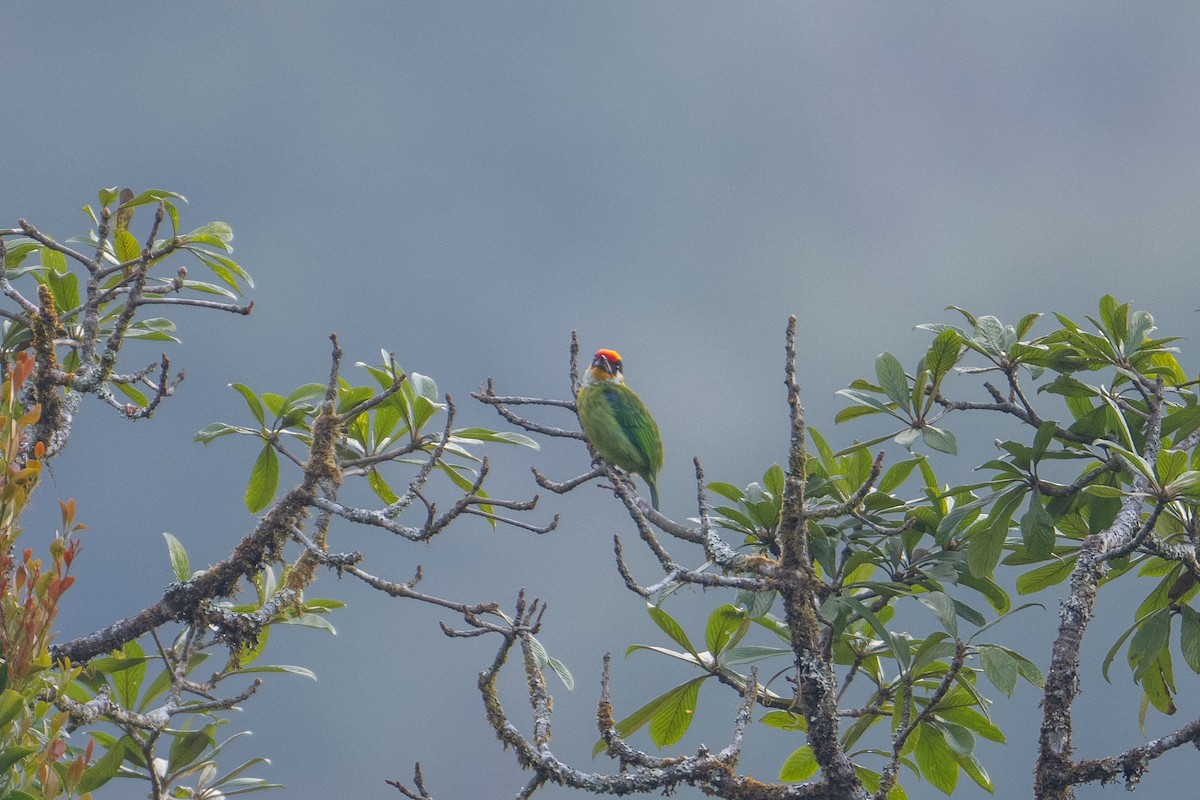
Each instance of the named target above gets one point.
<point>633,418</point>
<point>622,431</point>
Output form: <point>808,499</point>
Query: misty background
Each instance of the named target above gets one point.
<point>464,184</point>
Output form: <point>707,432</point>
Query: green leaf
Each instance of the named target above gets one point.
<point>799,766</point>
<point>1113,317</point>
<point>864,399</point>
<point>1029,670</point>
<point>1112,651</point>
<point>987,544</point>
<point>671,628</point>
<point>65,288</point>
<point>133,394</point>
<point>11,755</point>
<point>970,765</point>
<point>179,558</point>
<point>264,480</point>
<point>1151,639</point>
<point>228,268</point>
<point>216,231</point>
<point>1102,490</point>
<point>968,613</point>
<point>188,745</point>
<point>999,667</point>
<point>1189,637</point>
<point>784,720</point>
<point>757,604</point>
<point>906,437</point>
<point>454,472</point>
<point>223,268</point>
<point>545,660</point>
<point>1026,323</point>
<point>726,490</point>
<point>1041,441</point>
<point>310,621</point>
<point>763,509</point>
<point>972,720</point>
<point>242,785</point>
<point>1169,465</point>
<point>943,354</point>
<point>991,335</point>
<point>505,437</point>
<point>943,608</point>
<point>350,396</point>
<point>53,261</point>
<point>671,699</point>
<point>1045,576</point>
<point>216,430</point>
<point>1069,387</point>
<point>380,487</point>
<point>774,480</point>
<point>941,440</point>
<point>1158,686</point>
<point>1135,461</point>
<point>273,403</point>
<point>1166,365</point>
<point>961,741</point>
<point>872,780</point>
<point>127,681</point>
<point>725,627</point>
<point>152,196</point>
<point>997,598</point>
<point>564,674</point>
<point>309,394</point>
<point>896,474</point>
<point>675,715</point>
<point>102,770</point>
<point>687,658</point>
<point>969,316</point>
<point>892,379</point>
<point>12,703</point>
<point>935,759</point>
<point>854,412</point>
<point>935,647</point>
<point>126,246</point>
<point>252,401</point>
<point>895,642</point>
<point>1182,421</point>
<point>1184,484</point>
<point>1141,324</point>
<point>163,680</point>
<point>152,330</point>
<point>1037,528</point>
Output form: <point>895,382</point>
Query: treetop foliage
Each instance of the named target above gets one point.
<point>855,592</point>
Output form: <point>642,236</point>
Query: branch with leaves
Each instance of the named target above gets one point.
<point>787,529</point>
<point>68,343</point>
<point>823,567</point>
<point>834,541</point>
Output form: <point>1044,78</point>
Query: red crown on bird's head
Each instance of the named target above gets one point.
<point>611,356</point>
<point>606,365</point>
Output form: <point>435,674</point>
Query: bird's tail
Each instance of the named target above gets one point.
<point>653,494</point>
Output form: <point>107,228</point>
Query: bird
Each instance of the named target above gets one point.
<point>616,422</point>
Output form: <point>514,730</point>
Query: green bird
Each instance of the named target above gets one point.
<point>617,423</point>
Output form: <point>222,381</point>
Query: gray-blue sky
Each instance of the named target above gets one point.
<point>464,184</point>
